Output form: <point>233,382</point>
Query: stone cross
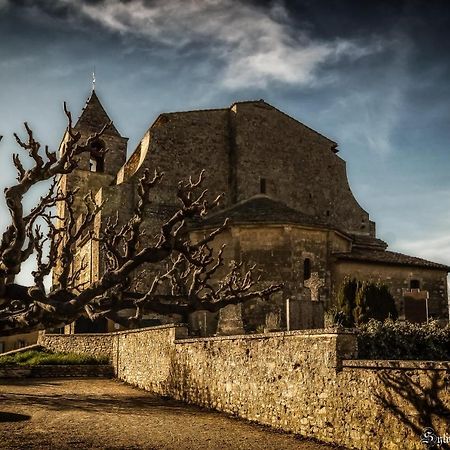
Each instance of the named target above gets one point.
<point>314,283</point>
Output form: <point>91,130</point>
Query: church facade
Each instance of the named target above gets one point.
<point>291,209</point>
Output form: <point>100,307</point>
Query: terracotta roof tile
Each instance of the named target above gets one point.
<point>388,257</point>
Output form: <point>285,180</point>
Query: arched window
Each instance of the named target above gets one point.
<point>306,269</point>
<point>97,156</point>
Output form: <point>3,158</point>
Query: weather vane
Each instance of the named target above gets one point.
<point>93,79</point>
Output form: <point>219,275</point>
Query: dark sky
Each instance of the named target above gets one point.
<point>371,75</point>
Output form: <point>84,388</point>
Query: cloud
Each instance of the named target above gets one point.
<point>254,45</point>
<point>372,103</point>
<point>435,248</point>
<point>4,4</point>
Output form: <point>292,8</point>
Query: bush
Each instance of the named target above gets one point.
<point>346,302</point>
<point>404,340</point>
<point>360,301</point>
<point>42,358</point>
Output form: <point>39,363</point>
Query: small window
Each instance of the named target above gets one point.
<point>306,269</point>
<point>328,213</point>
<point>2,347</point>
<point>96,164</point>
<point>414,284</point>
<point>97,157</point>
<point>262,186</point>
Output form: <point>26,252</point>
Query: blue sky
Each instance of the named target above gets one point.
<point>373,76</point>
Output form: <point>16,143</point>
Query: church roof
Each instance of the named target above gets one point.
<point>368,242</point>
<point>261,209</point>
<point>94,117</point>
<point>388,257</point>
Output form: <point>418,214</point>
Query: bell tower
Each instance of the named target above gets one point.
<point>95,169</point>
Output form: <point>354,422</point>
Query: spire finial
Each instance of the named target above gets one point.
<point>93,80</point>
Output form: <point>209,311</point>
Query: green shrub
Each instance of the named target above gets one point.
<point>346,302</point>
<point>36,358</point>
<point>359,301</point>
<point>404,340</point>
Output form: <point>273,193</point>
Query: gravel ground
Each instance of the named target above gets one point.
<point>60,414</point>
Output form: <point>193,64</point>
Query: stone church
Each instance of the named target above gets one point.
<point>291,210</point>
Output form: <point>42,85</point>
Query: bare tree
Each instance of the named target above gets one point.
<point>188,283</point>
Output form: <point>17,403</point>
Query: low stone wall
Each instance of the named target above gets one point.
<point>55,371</point>
<point>92,344</point>
<point>306,382</point>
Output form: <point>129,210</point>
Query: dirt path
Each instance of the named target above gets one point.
<point>60,414</point>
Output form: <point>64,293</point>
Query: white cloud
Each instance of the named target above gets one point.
<point>371,112</point>
<point>256,45</point>
<point>435,248</point>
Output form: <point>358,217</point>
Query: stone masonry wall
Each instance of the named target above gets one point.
<point>279,252</point>
<point>300,166</point>
<point>92,344</point>
<point>303,382</point>
<point>397,278</point>
<point>240,146</point>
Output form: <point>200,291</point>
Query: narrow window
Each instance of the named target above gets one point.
<point>96,164</point>
<point>97,156</point>
<point>262,185</point>
<point>328,213</point>
<point>306,269</point>
<point>414,284</point>
<point>2,347</point>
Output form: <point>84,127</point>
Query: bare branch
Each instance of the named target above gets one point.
<point>191,278</point>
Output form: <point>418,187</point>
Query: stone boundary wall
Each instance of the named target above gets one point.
<point>92,344</point>
<point>56,371</point>
<point>306,382</point>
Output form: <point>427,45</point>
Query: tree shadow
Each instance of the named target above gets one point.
<point>115,402</point>
<point>13,417</point>
<point>418,402</point>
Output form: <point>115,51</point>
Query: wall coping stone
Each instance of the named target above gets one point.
<point>322,332</point>
<point>181,327</point>
<point>115,333</point>
<point>377,364</point>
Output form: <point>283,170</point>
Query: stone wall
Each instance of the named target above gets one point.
<point>242,145</point>
<point>304,382</point>
<point>93,344</point>
<point>397,278</point>
<point>279,252</point>
<point>300,165</point>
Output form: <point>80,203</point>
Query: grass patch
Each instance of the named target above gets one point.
<point>45,358</point>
